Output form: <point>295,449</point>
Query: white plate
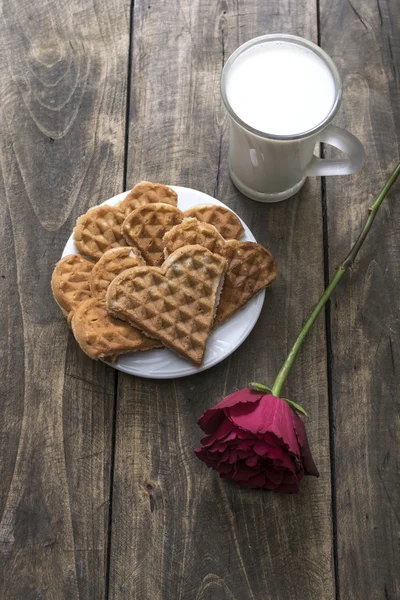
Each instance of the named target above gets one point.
<point>164,364</point>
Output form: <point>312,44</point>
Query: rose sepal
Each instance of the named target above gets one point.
<point>260,387</point>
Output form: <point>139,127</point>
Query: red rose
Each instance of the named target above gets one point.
<point>256,440</point>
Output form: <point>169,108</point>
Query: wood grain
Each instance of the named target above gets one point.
<point>364,40</point>
<point>62,98</point>
<point>177,530</point>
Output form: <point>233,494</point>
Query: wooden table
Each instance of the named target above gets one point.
<point>101,495</point>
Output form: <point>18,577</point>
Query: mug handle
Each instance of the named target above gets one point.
<point>344,141</point>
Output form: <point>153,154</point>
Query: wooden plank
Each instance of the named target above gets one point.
<point>62,97</point>
<point>363,37</point>
<point>178,531</point>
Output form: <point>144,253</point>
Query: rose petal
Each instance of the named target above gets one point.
<point>244,435</point>
<point>242,472</point>
<point>231,436</point>
<point>224,457</point>
<point>244,395</point>
<point>224,469</point>
<point>307,459</point>
<point>217,448</point>
<point>286,463</point>
<point>276,477</point>
<point>224,429</point>
<point>270,414</point>
<point>252,461</point>
<point>244,454</point>
<point>210,420</point>
<point>243,446</point>
<point>256,481</point>
<point>273,440</point>
<point>232,457</point>
<point>290,478</point>
<point>277,452</point>
<point>260,448</point>
<point>269,485</point>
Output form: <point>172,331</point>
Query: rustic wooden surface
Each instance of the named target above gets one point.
<point>363,38</point>
<point>63,92</point>
<point>100,493</point>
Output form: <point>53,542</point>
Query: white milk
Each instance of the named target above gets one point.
<point>280,88</point>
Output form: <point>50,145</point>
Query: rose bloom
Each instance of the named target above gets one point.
<point>256,440</point>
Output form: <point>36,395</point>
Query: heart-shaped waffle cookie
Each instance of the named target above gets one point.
<point>111,264</point>
<point>175,303</point>
<point>146,192</point>
<point>70,282</point>
<point>191,231</point>
<point>144,229</point>
<point>99,230</point>
<point>251,268</point>
<point>223,219</point>
<point>100,335</point>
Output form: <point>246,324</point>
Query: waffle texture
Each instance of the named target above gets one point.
<point>146,192</point>
<point>99,230</point>
<point>191,231</point>
<point>223,219</point>
<point>70,282</point>
<point>144,228</point>
<point>175,303</point>
<point>100,335</point>
<point>251,268</point>
<point>111,264</point>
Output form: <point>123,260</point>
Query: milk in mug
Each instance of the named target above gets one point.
<point>280,88</point>
<point>281,93</point>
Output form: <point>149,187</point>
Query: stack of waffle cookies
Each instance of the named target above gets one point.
<point>151,276</point>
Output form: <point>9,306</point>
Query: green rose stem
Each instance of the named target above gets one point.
<point>348,261</point>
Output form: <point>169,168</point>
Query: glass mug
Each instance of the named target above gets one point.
<point>272,167</point>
